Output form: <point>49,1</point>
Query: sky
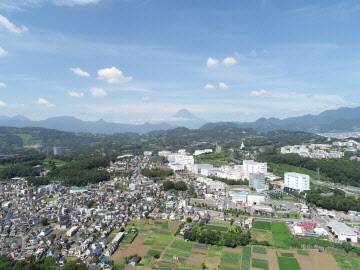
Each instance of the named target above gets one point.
<point>136,61</point>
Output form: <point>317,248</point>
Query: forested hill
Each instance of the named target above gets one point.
<point>13,140</point>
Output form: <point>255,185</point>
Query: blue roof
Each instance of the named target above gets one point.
<point>104,260</point>
<point>97,250</point>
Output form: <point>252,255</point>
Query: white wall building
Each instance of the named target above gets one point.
<point>252,166</point>
<point>297,181</point>
<point>342,231</point>
<point>257,181</point>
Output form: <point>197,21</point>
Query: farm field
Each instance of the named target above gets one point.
<point>160,249</point>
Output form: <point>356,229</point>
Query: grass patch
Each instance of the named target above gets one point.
<point>230,258</point>
<point>260,250</point>
<point>182,245</point>
<point>289,255</point>
<point>245,264</point>
<point>263,225</point>
<point>288,263</point>
<point>172,252</point>
<point>152,252</point>
<point>215,228</point>
<point>158,247</point>
<point>258,263</point>
<point>280,233</point>
<point>346,262</point>
<point>303,252</point>
<point>129,238</point>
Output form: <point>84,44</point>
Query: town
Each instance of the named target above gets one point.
<point>94,225</point>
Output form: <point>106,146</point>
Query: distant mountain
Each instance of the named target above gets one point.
<point>184,118</point>
<point>72,124</point>
<point>340,120</point>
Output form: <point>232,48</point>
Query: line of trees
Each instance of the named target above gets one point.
<point>234,237</point>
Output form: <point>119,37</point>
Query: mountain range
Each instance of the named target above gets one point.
<point>339,120</point>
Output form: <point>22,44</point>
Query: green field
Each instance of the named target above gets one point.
<point>288,263</point>
<point>129,238</point>
<point>261,250</point>
<point>215,228</point>
<point>262,225</point>
<point>347,262</point>
<point>289,255</point>
<point>182,245</point>
<point>245,265</point>
<point>303,252</point>
<point>280,169</point>
<point>280,233</point>
<point>261,264</point>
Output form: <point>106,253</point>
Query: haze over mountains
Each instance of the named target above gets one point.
<point>340,120</point>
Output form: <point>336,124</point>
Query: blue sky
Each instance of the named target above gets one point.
<point>133,61</point>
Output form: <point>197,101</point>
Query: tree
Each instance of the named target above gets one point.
<point>232,221</point>
<point>167,185</point>
<point>71,265</point>
<point>188,219</point>
<point>180,185</point>
<point>44,221</point>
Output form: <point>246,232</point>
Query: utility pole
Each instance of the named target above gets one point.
<point>318,173</point>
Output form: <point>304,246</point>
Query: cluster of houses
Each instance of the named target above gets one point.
<point>313,151</point>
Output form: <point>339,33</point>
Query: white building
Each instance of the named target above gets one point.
<point>252,166</point>
<point>342,231</point>
<point>164,153</point>
<point>148,153</point>
<point>181,159</point>
<point>252,199</point>
<point>200,152</point>
<point>297,181</point>
<point>72,231</point>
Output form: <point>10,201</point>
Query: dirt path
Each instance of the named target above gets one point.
<point>272,259</point>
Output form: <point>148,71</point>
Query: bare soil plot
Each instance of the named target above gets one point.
<point>139,250</point>
<point>261,235</point>
<point>170,265</point>
<point>140,238</point>
<point>317,261</point>
<point>147,227</point>
<point>200,251</point>
<point>175,225</point>
<point>195,259</point>
<point>234,250</point>
<point>272,259</point>
<point>212,263</point>
<point>259,256</point>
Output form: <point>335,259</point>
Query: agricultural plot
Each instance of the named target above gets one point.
<point>245,264</point>
<point>303,252</point>
<point>229,260</point>
<point>261,235</point>
<point>182,245</point>
<point>289,255</point>
<point>216,228</point>
<point>261,264</point>
<point>262,225</point>
<point>280,233</point>
<point>347,262</point>
<point>286,263</point>
<point>260,250</point>
<point>129,238</point>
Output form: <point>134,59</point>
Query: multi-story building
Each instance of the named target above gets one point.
<point>297,181</point>
<point>252,166</point>
<point>257,181</point>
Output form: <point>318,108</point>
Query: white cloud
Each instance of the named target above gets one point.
<point>145,98</point>
<point>97,92</point>
<point>259,93</point>
<point>229,61</point>
<point>43,101</point>
<point>210,86</point>
<point>223,85</point>
<point>113,75</point>
<point>75,94</point>
<point>211,63</point>
<point>78,71</point>
<point>3,52</point>
<point>2,104</point>
<point>2,85</point>
<point>6,24</point>
<point>75,2</point>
